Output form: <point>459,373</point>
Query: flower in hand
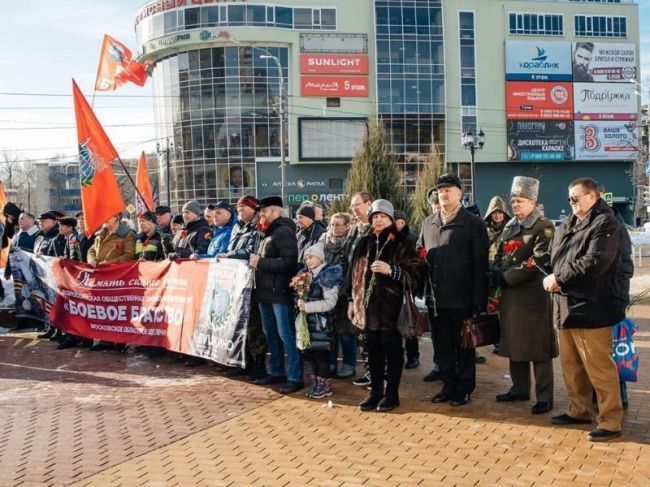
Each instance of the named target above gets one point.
<point>301,304</point>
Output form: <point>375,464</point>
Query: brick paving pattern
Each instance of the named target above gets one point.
<point>84,418</point>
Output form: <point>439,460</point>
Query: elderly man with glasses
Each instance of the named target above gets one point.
<point>588,300</point>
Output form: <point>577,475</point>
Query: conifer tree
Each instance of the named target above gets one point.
<point>427,179</point>
<point>373,170</point>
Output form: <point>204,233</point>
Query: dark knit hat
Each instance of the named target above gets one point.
<point>68,222</point>
<point>249,201</point>
<point>399,215</point>
<point>307,211</point>
<point>57,214</point>
<point>448,180</point>
<point>271,201</point>
<point>161,210</point>
<point>178,219</point>
<point>149,216</point>
<point>224,205</point>
<point>193,206</point>
<point>11,209</point>
<point>48,215</point>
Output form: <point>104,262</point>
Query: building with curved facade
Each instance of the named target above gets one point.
<point>430,69</point>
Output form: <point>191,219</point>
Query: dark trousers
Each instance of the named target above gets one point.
<point>457,365</point>
<point>520,375</point>
<point>431,314</point>
<point>412,347</point>
<point>319,362</point>
<point>385,352</point>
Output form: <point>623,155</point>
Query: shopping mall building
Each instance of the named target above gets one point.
<point>552,84</point>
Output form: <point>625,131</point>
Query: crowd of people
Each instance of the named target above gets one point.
<point>330,287</point>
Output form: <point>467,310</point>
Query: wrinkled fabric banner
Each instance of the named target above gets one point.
<point>34,284</point>
<point>194,307</point>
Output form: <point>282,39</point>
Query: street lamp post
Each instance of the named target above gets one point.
<point>166,152</point>
<point>281,116</point>
<point>472,143</point>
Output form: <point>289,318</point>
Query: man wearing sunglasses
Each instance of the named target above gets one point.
<point>587,301</point>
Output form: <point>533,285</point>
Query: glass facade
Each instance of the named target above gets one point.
<point>217,107</point>
<point>600,26</point>
<point>536,24</point>
<point>177,20</point>
<point>410,79</point>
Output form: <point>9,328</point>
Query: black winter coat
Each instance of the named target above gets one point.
<point>586,257</point>
<point>385,301</point>
<point>626,269</point>
<point>307,238</point>
<point>194,238</point>
<point>279,253</point>
<point>458,261</point>
<point>50,243</point>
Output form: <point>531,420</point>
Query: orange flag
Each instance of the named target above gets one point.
<point>3,201</point>
<point>143,195</point>
<point>100,194</point>
<point>116,67</point>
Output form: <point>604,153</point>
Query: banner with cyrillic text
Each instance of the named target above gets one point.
<point>194,307</point>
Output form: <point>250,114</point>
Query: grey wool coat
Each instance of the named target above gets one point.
<point>525,314</point>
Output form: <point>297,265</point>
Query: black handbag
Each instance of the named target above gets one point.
<point>480,331</point>
<point>411,322</point>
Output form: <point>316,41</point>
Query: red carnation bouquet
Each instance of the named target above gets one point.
<point>508,259</point>
<point>301,284</point>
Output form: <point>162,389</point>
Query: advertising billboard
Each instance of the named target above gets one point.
<point>539,100</point>
<point>539,140</point>
<point>606,140</point>
<point>603,62</point>
<point>334,86</point>
<point>334,63</point>
<point>605,101</point>
<point>538,61</point>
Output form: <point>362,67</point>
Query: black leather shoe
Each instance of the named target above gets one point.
<point>412,363</point>
<point>432,376</point>
<point>441,397</point>
<point>459,401</point>
<point>387,404</point>
<point>271,379</point>
<point>542,407</point>
<point>370,403</point>
<point>603,435</point>
<point>67,342</point>
<point>290,387</point>
<point>48,334</point>
<point>236,372</point>
<point>565,419</point>
<point>511,397</point>
<point>194,361</point>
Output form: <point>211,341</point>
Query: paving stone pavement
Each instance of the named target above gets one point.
<point>94,419</point>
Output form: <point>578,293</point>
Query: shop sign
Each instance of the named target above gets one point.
<point>539,100</point>
<point>334,64</point>
<point>606,141</point>
<point>334,86</point>
<point>603,62</point>
<point>605,101</point>
<point>538,61</point>
<point>538,140</point>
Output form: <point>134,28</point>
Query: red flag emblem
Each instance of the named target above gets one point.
<point>100,194</point>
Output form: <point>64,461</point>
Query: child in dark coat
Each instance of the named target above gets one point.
<point>318,308</point>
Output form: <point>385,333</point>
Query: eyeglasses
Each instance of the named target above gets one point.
<point>574,199</point>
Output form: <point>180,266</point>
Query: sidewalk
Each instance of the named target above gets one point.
<point>97,418</point>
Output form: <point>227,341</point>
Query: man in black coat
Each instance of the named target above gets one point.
<point>48,241</point>
<point>275,265</point>
<point>458,266</point>
<point>195,236</point>
<point>310,231</point>
<point>588,299</point>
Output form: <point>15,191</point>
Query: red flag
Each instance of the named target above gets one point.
<point>100,194</point>
<point>143,186</point>
<point>116,67</point>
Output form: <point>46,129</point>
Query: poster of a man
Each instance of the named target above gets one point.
<point>582,55</point>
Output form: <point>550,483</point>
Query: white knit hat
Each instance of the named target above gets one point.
<point>317,250</point>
